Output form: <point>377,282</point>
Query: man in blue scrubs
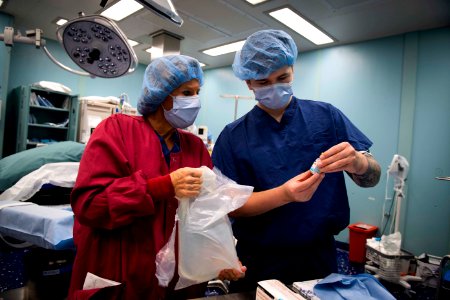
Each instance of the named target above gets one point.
<point>286,229</point>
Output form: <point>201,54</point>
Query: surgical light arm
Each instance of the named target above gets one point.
<point>34,37</point>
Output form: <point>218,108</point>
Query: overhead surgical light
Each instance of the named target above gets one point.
<point>163,8</point>
<point>124,8</point>
<point>95,43</point>
<point>98,46</point>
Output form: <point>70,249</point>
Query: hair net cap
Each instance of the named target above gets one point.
<point>162,76</point>
<point>263,53</point>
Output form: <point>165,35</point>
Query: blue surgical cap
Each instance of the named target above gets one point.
<point>263,53</point>
<point>162,76</point>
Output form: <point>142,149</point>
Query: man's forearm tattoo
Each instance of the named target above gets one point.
<point>371,177</point>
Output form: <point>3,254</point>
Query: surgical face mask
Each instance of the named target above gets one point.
<point>274,96</point>
<point>183,112</point>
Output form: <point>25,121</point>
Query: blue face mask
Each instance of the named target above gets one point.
<point>183,112</point>
<point>274,96</point>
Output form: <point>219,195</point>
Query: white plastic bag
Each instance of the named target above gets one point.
<point>165,260</point>
<point>206,242</point>
<point>392,243</point>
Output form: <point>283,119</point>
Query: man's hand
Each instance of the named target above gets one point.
<point>362,168</point>
<point>301,188</point>
<point>343,157</point>
<point>232,274</point>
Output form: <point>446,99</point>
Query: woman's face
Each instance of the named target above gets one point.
<point>189,88</point>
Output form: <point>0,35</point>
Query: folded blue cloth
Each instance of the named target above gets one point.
<point>49,227</point>
<point>349,287</point>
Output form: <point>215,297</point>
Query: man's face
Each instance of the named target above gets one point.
<point>282,75</point>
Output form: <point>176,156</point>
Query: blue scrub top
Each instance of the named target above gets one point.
<point>257,150</point>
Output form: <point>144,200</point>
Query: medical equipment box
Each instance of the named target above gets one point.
<point>443,291</point>
<point>391,267</point>
<point>306,288</point>
<point>49,272</point>
<point>93,112</point>
<point>359,233</point>
<point>274,289</point>
<point>428,270</point>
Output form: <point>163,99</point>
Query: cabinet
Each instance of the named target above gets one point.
<point>39,116</point>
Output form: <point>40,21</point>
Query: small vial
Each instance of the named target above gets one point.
<point>314,168</point>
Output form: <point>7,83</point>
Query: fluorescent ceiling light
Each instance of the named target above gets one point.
<point>202,64</point>
<point>255,1</point>
<point>132,43</point>
<point>61,21</point>
<point>232,47</point>
<point>300,25</point>
<point>121,9</point>
<point>155,52</point>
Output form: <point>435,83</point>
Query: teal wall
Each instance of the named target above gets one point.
<point>396,90</point>
<point>428,209</point>
<point>216,111</point>
<point>5,53</point>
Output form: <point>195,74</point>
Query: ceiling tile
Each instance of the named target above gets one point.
<point>231,20</point>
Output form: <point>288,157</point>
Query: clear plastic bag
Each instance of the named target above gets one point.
<point>206,242</point>
<point>165,261</point>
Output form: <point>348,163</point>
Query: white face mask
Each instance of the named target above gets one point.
<point>183,112</point>
<point>274,96</point>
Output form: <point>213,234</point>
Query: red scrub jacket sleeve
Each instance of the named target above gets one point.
<point>161,187</point>
<point>108,193</point>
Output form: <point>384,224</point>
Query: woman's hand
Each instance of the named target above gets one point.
<point>233,274</point>
<point>187,182</point>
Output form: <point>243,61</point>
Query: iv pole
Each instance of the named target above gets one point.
<point>399,170</point>
<point>236,98</point>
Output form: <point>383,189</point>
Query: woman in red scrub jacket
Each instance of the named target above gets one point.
<point>131,172</point>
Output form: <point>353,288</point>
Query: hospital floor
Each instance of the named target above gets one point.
<point>34,273</point>
<point>15,284</point>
